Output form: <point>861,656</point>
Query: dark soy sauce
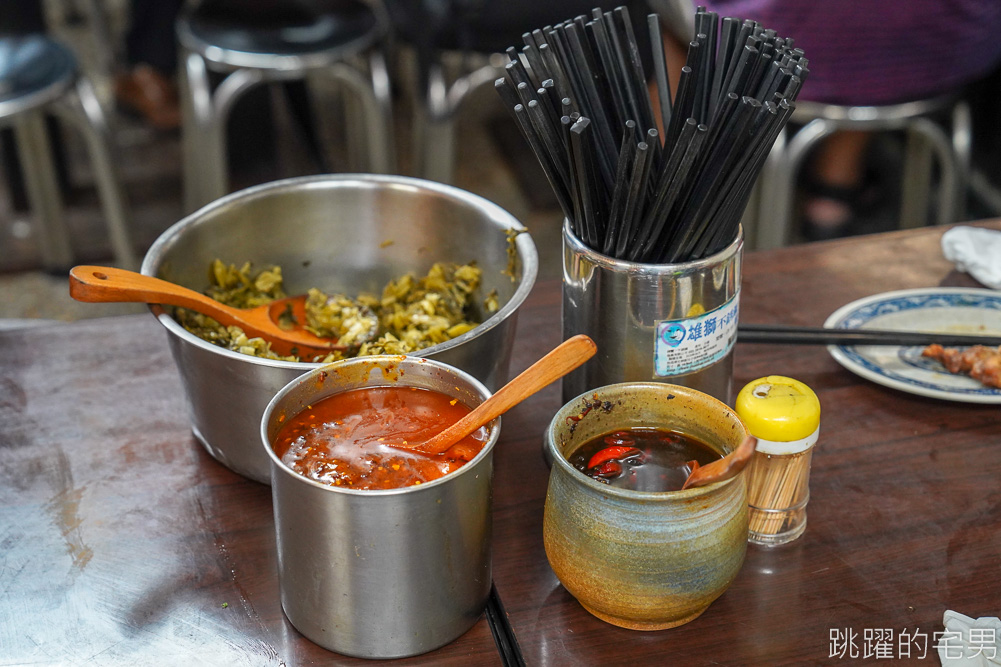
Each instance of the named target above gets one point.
<point>642,459</point>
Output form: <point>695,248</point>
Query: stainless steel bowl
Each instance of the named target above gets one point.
<point>388,573</point>
<point>348,233</point>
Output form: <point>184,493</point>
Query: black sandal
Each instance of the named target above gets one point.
<point>855,200</point>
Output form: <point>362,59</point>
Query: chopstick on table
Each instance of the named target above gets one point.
<point>790,335</point>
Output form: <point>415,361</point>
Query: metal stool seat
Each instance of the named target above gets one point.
<point>925,138</point>
<point>34,71</point>
<point>39,75</point>
<point>279,45</point>
<point>263,40</point>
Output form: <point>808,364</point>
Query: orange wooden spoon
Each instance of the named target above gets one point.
<point>565,357</point>
<point>102,284</point>
<point>723,468</point>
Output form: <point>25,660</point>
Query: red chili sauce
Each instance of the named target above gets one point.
<point>341,440</point>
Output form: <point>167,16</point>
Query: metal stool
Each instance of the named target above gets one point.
<point>772,227</point>
<point>250,54</point>
<point>434,129</point>
<point>460,47</point>
<point>38,75</point>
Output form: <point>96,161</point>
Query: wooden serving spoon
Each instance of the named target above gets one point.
<point>723,468</point>
<point>564,358</point>
<point>102,284</point>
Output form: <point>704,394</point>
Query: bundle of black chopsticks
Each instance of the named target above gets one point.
<point>579,93</point>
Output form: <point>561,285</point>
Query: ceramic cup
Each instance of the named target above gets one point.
<point>643,560</point>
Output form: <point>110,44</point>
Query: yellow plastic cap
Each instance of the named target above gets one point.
<point>779,409</point>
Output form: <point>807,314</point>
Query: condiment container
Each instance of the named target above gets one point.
<point>784,414</point>
<point>638,559</point>
<point>672,323</point>
<point>382,573</point>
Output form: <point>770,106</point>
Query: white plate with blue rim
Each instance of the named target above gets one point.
<point>953,310</point>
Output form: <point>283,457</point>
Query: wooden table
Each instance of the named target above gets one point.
<point>123,542</point>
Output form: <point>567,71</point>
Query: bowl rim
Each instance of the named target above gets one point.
<point>279,467</point>
<point>549,442</point>
<point>527,252</point>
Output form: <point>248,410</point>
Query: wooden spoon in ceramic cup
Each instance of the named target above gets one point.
<point>102,284</point>
<point>723,468</point>
<point>564,358</point>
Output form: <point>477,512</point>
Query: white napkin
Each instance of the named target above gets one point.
<point>970,643</point>
<point>976,251</point>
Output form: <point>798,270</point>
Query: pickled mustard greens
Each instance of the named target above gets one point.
<point>417,313</point>
<point>413,313</point>
<point>336,316</point>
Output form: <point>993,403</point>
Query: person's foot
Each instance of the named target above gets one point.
<point>833,211</point>
<point>151,95</point>
<point>827,218</point>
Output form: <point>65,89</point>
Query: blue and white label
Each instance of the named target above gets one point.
<point>689,345</point>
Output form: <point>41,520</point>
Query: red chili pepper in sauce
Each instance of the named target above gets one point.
<point>611,453</point>
<point>577,418</point>
<point>608,469</point>
<point>620,439</point>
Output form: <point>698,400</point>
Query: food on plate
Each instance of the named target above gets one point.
<point>413,312</point>
<point>979,362</point>
<point>642,459</point>
<point>343,440</point>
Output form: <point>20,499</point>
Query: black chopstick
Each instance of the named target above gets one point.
<point>622,170</point>
<point>503,633</point>
<point>660,70</point>
<point>635,65</point>
<point>635,196</point>
<point>790,335</point>
<point>581,148</point>
<point>681,196</point>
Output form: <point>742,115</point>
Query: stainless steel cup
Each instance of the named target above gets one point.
<point>382,574</point>
<point>673,323</point>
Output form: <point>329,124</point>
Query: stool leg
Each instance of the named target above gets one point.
<point>213,150</point>
<point>375,116</point>
<point>765,187</point>
<point>962,146</point>
<point>774,230</point>
<point>438,149</point>
<point>100,28</point>
<point>936,139</point>
<point>204,115</point>
<point>43,191</point>
<point>383,90</point>
<point>916,181</point>
<point>435,140</point>
<point>85,110</point>
<point>196,108</point>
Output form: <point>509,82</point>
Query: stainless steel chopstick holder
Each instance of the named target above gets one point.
<point>673,323</point>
